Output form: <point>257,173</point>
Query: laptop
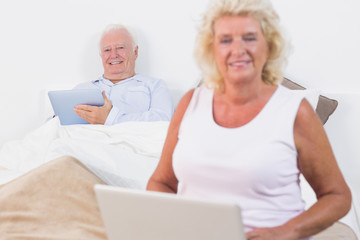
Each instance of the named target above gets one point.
<point>64,101</point>
<point>145,215</point>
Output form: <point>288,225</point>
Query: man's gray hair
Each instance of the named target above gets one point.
<point>116,27</point>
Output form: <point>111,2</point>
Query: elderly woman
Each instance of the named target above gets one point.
<point>241,137</point>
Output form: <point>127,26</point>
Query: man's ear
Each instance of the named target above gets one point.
<point>136,51</point>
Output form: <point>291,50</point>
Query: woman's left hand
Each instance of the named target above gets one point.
<point>275,233</point>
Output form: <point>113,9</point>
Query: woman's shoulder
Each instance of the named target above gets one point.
<point>185,101</point>
<point>306,113</point>
<point>180,111</point>
<point>194,93</point>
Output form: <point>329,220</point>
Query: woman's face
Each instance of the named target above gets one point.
<point>240,48</point>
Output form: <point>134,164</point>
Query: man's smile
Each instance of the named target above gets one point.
<point>113,63</point>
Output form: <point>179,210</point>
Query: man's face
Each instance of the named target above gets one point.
<point>118,55</point>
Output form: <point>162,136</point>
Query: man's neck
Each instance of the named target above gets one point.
<point>117,78</point>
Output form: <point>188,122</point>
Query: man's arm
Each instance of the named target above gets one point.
<point>161,108</point>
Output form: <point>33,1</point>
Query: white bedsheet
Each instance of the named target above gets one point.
<point>125,154</point>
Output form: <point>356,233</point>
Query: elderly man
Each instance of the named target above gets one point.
<point>128,96</point>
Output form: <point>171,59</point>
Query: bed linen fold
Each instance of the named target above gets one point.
<point>124,154</point>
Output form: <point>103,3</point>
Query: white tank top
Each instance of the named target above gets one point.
<point>254,165</point>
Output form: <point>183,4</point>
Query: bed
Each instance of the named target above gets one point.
<point>125,155</point>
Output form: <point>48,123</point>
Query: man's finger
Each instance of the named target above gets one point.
<point>107,102</point>
<point>87,108</point>
<point>82,114</point>
<point>104,96</point>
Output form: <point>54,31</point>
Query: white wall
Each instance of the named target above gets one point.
<point>48,44</point>
<point>325,35</point>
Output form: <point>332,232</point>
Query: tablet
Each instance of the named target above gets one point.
<point>64,101</point>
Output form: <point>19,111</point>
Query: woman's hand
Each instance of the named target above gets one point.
<point>275,233</point>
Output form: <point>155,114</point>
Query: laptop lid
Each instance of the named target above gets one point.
<point>138,215</point>
<point>64,101</point>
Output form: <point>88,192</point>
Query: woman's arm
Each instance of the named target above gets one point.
<point>318,165</point>
<point>163,178</point>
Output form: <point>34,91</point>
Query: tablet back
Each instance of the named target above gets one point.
<point>64,101</point>
<point>138,215</point>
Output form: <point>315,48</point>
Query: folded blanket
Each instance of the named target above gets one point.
<point>54,201</point>
<point>124,154</point>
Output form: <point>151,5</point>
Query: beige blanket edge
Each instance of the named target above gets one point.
<point>54,201</point>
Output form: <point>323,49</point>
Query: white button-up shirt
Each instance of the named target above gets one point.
<point>138,98</point>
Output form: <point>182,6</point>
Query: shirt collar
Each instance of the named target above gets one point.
<point>137,77</point>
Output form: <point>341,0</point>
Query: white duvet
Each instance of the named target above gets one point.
<point>125,154</point>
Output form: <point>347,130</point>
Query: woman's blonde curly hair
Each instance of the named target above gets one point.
<point>263,11</point>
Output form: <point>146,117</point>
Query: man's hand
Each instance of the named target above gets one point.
<point>93,114</point>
